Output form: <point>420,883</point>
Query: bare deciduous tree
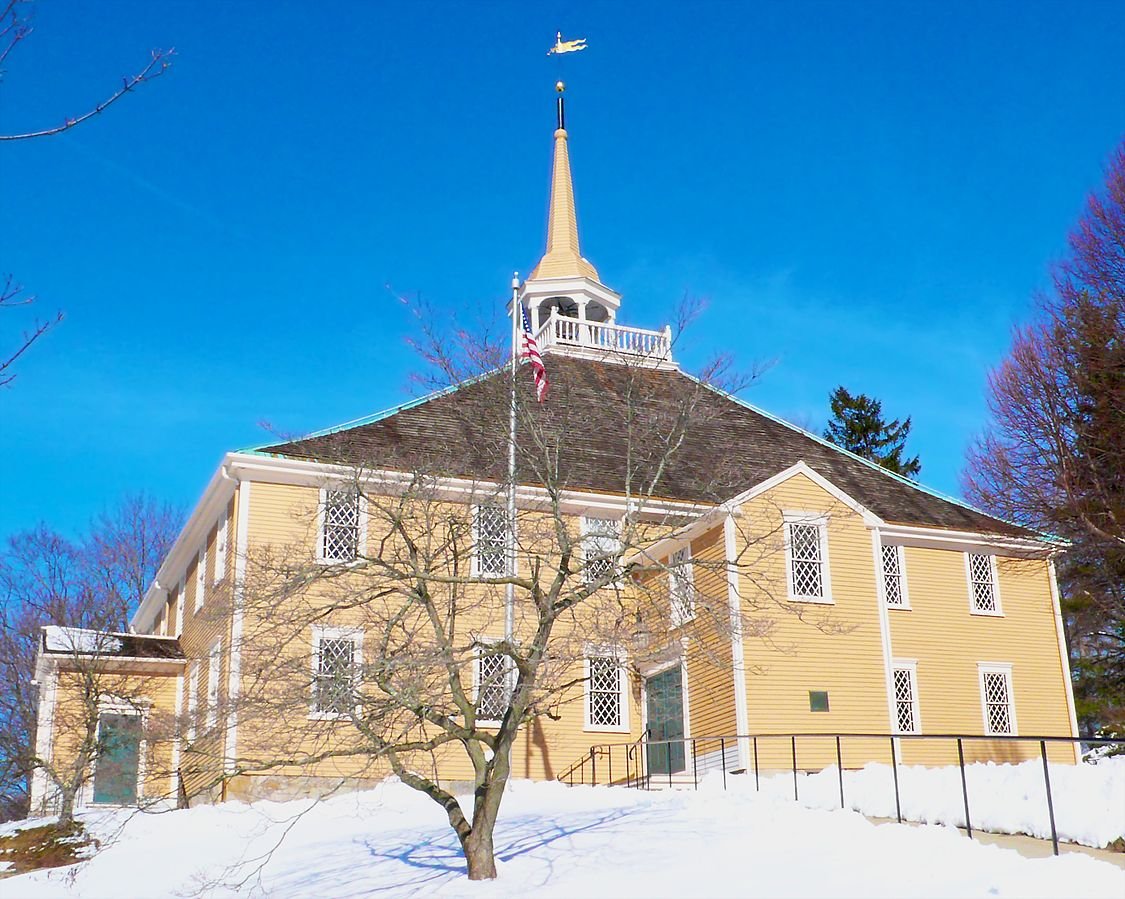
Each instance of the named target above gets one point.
<point>471,630</point>
<point>1053,456</point>
<point>15,27</point>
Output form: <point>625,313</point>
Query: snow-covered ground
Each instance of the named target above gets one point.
<point>555,841</point>
<point>1089,799</point>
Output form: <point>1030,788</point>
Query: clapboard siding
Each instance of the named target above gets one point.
<point>948,642</point>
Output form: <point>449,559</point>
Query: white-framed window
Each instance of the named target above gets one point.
<point>337,662</point>
<point>221,550</point>
<point>200,578</point>
<point>192,699</point>
<point>894,577</point>
<point>905,681</point>
<point>996,697</point>
<point>601,544</point>
<point>681,586</point>
<point>492,685</point>
<point>343,526</point>
<point>492,540</point>
<point>607,697</point>
<point>984,590</point>
<point>214,668</point>
<point>806,557</point>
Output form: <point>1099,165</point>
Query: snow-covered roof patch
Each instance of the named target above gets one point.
<point>83,641</point>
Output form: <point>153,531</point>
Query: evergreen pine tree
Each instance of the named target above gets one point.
<point>857,425</point>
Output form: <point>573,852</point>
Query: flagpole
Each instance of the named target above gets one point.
<point>510,591</point>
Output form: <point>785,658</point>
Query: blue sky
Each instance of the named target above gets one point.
<point>867,194</point>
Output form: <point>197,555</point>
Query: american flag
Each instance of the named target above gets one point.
<point>529,350</point>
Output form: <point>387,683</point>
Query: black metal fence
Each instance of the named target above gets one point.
<point>682,762</point>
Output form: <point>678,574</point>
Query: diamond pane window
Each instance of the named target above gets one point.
<point>490,525</point>
<point>339,539</point>
<point>983,583</point>
<point>806,561</point>
<point>603,692</point>
<point>602,538</point>
<point>492,686</point>
<point>336,670</point>
<point>681,586</point>
<point>906,711</point>
<point>892,576</point>
<point>997,701</point>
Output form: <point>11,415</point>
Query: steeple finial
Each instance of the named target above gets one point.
<point>563,258</point>
<point>560,87</point>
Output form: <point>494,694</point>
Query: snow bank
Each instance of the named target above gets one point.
<point>554,841</point>
<point>1089,799</point>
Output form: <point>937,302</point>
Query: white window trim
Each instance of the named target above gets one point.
<point>687,566</point>
<point>820,521</point>
<point>999,611</point>
<point>482,649</point>
<point>1004,668</point>
<point>193,700</point>
<point>113,706</point>
<point>606,652</point>
<point>361,540</point>
<point>200,578</point>
<point>904,588</point>
<point>587,533</point>
<point>510,559</point>
<point>321,633</point>
<point>221,536</point>
<point>910,665</point>
<point>214,675</point>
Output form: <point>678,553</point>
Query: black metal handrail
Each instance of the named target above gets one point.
<point>638,758</point>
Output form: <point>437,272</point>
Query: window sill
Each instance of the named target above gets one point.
<point>980,613</point>
<point>898,608</point>
<point>328,716</point>
<point>343,563</point>
<point>605,729</point>
<point>816,600</point>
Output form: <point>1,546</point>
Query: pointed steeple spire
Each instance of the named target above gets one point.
<point>563,259</point>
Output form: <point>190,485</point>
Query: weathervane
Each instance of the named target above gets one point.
<point>562,46</point>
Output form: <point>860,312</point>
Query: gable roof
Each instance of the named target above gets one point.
<point>599,414</point>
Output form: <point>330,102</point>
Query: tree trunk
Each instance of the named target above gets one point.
<point>479,855</point>
<point>66,808</point>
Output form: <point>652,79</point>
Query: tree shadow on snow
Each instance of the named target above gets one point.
<point>437,859</point>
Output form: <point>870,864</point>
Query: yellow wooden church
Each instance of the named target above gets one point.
<point>358,601</point>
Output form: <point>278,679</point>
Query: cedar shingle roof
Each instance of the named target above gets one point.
<point>585,425</point>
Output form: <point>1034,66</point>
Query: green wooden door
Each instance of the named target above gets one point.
<point>665,705</point>
<point>118,760</point>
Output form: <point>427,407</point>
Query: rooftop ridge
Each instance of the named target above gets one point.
<point>375,416</point>
<point>937,494</point>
